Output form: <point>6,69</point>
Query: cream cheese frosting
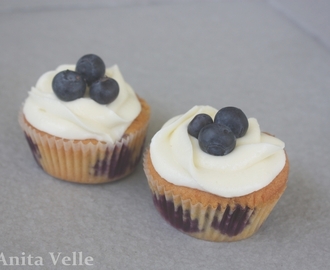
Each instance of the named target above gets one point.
<point>256,160</point>
<point>82,118</point>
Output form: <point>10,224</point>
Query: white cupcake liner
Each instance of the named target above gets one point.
<point>81,162</point>
<point>224,223</point>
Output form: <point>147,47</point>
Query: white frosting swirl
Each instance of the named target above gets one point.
<point>254,163</point>
<point>82,118</point>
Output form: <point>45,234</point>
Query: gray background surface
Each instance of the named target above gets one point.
<point>270,58</point>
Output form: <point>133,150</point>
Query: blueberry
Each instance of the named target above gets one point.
<point>233,118</point>
<point>216,140</point>
<point>91,67</point>
<point>104,91</point>
<point>197,123</point>
<point>68,85</point>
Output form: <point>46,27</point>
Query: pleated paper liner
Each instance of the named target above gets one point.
<point>212,222</point>
<point>87,161</point>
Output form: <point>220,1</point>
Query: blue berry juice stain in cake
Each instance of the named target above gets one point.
<point>233,220</point>
<point>178,218</point>
<point>34,149</point>
<point>117,161</point>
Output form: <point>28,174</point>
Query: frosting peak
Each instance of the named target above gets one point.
<point>82,118</point>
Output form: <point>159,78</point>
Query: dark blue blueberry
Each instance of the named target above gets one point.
<point>68,85</point>
<point>197,123</point>
<point>233,118</point>
<point>216,140</point>
<point>91,67</point>
<point>104,91</point>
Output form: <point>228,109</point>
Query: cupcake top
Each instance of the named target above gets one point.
<point>83,117</point>
<point>255,160</point>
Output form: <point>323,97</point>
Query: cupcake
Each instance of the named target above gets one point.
<point>84,123</point>
<point>214,175</point>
